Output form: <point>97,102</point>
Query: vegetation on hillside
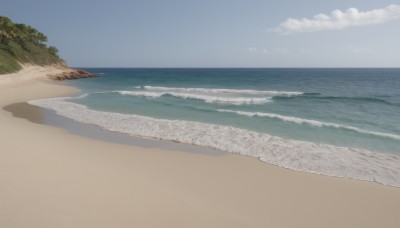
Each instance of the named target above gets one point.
<point>20,43</point>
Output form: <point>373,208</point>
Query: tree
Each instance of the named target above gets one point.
<point>6,27</point>
<point>53,50</point>
<point>20,43</point>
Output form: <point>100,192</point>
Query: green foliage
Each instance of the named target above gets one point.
<point>53,50</point>
<point>20,43</point>
<point>7,63</point>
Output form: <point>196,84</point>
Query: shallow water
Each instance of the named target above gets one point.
<point>338,122</point>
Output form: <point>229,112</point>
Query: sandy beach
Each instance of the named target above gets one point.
<point>51,178</point>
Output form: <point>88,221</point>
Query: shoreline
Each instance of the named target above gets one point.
<point>308,157</point>
<point>39,115</point>
<point>53,178</point>
<point>47,117</point>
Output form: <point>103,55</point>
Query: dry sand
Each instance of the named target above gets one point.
<point>50,178</point>
<point>29,73</point>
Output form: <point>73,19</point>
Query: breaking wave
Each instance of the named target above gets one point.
<point>210,95</point>
<point>293,154</point>
<point>220,91</point>
<point>314,123</point>
<point>206,98</point>
<point>316,96</point>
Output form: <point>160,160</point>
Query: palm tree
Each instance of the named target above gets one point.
<point>6,27</point>
<point>21,33</point>
<point>41,38</point>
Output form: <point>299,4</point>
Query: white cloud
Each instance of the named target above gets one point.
<point>265,51</point>
<point>339,20</point>
<point>268,51</point>
<point>252,49</point>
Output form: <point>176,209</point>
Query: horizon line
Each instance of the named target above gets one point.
<point>136,67</point>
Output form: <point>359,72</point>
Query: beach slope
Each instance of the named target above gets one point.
<point>50,178</point>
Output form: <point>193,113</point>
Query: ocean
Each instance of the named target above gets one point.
<point>335,122</point>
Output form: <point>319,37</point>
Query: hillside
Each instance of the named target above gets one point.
<point>22,44</point>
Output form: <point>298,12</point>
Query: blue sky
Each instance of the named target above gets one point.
<point>217,33</point>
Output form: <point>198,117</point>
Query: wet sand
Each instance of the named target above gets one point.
<point>50,177</point>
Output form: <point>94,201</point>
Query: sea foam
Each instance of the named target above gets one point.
<point>314,123</point>
<point>220,91</point>
<point>206,98</point>
<point>293,154</point>
<point>210,95</point>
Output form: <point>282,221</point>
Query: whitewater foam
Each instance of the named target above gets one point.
<point>220,91</point>
<point>82,96</point>
<point>293,154</point>
<point>206,98</point>
<point>210,95</point>
<point>314,123</point>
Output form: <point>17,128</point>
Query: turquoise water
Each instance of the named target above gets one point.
<point>366,99</point>
<point>337,122</point>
